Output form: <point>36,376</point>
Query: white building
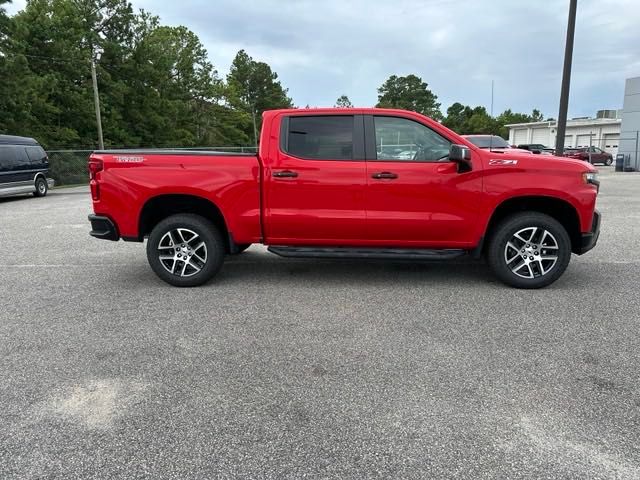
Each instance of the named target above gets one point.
<point>630,142</point>
<point>581,132</point>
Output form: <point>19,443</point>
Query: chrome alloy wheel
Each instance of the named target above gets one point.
<point>42,188</point>
<point>532,252</point>
<point>182,252</point>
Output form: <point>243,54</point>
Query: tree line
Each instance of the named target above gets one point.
<point>157,86</point>
<point>411,93</point>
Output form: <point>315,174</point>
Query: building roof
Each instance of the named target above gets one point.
<point>578,122</point>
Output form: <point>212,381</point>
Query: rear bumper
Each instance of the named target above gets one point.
<point>589,240</point>
<point>103,228</point>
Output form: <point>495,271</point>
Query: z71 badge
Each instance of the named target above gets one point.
<point>502,161</point>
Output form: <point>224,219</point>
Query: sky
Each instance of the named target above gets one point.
<point>322,49</point>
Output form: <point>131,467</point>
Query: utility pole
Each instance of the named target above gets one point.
<point>491,99</point>
<point>255,128</point>
<point>96,100</point>
<point>566,78</point>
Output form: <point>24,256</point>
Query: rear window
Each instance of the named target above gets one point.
<point>321,137</point>
<point>21,155</point>
<point>36,154</point>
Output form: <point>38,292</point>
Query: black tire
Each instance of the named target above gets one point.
<point>207,233</point>
<point>241,247</point>
<point>608,162</point>
<point>538,265</point>
<point>41,187</point>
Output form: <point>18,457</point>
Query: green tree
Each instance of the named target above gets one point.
<point>252,87</point>
<point>157,86</point>
<point>409,93</point>
<point>466,120</point>
<point>343,102</point>
<point>457,116</point>
<point>179,86</point>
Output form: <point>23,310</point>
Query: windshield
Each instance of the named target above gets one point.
<point>483,141</point>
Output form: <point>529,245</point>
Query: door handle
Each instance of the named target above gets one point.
<point>285,174</point>
<point>389,175</point>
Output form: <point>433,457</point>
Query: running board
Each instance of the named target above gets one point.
<point>371,253</point>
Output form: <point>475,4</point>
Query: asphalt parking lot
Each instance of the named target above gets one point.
<point>313,369</point>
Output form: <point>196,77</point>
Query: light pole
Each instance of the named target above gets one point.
<point>566,78</point>
<point>96,101</point>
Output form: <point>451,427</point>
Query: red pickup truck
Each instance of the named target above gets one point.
<point>348,183</point>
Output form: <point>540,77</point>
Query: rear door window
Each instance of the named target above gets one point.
<point>8,160</point>
<point>36,155</point>
<point>320,137</point>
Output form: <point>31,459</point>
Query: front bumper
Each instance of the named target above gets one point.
<point>589,240</point>
<point>103,228</point>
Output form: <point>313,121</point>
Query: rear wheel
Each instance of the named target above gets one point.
<point>529,250</point>
<point>608,161</point>
<point>41,187</point>
<point>185,250</point>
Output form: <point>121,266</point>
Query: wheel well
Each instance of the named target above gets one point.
<point>163,206</point>
<point>561,210</point>
<point>39,175</point>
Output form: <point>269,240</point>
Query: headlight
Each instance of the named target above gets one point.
<point>592,178</point>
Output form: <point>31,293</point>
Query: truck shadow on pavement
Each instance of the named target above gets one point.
<point>261,267</point>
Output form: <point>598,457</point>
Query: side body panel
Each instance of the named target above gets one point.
<point>534,176</point>
<point>428,204</point>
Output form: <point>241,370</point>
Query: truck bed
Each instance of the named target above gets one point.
<point>133,185</point>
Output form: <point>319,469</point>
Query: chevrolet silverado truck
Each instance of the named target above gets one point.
<point>348,183</point>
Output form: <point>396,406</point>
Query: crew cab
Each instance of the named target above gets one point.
<point>341,183</point>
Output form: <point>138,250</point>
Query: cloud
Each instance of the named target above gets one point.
<point>322,50</point>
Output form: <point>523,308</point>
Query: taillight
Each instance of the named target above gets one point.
<point>95,165</point>
<point>95,190</point>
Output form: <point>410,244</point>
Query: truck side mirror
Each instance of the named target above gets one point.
<point>459,153</point>
<point>462,156</point>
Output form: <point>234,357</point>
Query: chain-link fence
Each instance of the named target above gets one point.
<point>69,167</point>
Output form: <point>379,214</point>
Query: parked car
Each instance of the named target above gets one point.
<point>23,167</point>
<point>493,142</point>
<point>590,154</point>
<point>536,148</point>
<point>319,186</point>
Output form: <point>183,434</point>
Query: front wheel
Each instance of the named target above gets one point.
<point>608,162</point>
<point>529,250</point>
<point>41,187</point>
<point>185,250</point>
